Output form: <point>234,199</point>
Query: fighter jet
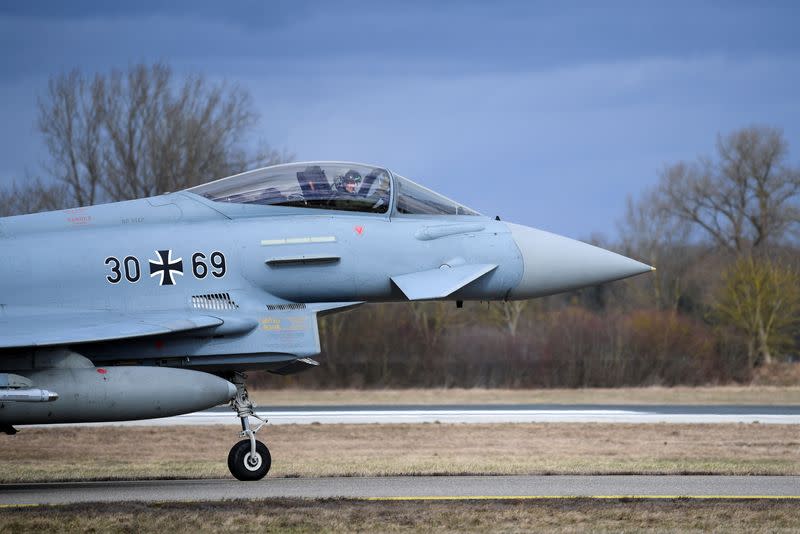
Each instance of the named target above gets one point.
<point>159,306</point>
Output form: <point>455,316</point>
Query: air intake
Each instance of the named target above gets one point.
<point>214,301</point>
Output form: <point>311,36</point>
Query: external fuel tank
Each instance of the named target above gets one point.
<point>90,394</point>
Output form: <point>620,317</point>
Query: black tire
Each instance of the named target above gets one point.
<point>238,461</point>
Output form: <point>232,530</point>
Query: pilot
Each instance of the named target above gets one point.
<point>350,182</point>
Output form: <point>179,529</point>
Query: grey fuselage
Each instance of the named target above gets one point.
<point>282,266</point>
<point>57,262</point>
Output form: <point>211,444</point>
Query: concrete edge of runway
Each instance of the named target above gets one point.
<point>468,498</point>
<point>416,488</point>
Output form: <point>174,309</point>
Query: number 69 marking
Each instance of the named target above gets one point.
<point>217,261</point>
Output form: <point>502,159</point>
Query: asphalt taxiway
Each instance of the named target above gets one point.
<point>408,488</point>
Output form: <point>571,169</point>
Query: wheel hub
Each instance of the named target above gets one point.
<point>252,462</point>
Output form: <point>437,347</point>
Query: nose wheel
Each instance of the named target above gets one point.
<point>249,459</point>
<point>245,465</point>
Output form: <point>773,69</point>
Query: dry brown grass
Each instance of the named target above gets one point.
<point>74,453</point>
<point>650,395</point>
<point>292,515</point>
<point>777,374</point>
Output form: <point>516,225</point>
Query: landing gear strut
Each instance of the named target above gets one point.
<point>249,459</point>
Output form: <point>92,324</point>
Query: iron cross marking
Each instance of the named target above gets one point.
<point>166,267</point>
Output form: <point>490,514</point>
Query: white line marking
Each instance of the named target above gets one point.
<point>298,240</point>
<point>462,416</point>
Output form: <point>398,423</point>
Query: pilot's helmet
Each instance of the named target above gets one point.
<point>350,181</point>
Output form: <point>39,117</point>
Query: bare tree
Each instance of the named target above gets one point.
<point>507,314</point>
<point>745,199</point>
<point>139,133</point>
<point>651,232</point>
<point>762,299</point>
<point>33,197</point>
<point>431,319</point>
<point>70,122</point>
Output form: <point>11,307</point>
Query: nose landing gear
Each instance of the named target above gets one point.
<point>249,459</point>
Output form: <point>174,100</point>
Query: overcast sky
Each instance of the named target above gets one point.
<point>549,114</point>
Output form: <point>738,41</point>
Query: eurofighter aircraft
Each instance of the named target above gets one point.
<point>159,306</point>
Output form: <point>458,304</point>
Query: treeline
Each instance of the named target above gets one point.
<point>558,344</point>
<point>722,229</point>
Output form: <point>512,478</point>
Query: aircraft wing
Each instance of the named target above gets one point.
<point>49,329</point>
<point>438,283</point>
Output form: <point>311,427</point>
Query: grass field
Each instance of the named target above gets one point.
<point>97,453</point>
<point>650,395</point>
<point>294,515</point>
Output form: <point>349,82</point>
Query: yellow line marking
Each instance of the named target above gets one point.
<point>21,505</point>
<point>561,497</point>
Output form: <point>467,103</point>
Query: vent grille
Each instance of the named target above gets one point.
<point>281,307</point>
<point>214,301</point>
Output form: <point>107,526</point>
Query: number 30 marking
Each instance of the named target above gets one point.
<point>133,270</point>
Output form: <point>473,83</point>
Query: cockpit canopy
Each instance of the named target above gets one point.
<point>332,186</point>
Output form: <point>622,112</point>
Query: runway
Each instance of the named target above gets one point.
<point>493,413</point>
<point>402,488</point>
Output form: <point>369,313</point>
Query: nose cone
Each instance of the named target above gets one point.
<point>553,263</point>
